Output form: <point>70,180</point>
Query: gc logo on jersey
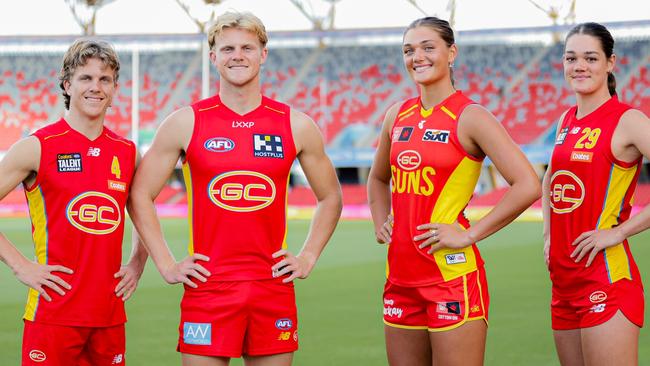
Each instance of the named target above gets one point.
<point>409,160</point>
<point>94,213</point>
<point>241,191</point>
<point>70,162</point>
<point>567,192</point>
<point>267,146</point>
<point>219,144</point>
<point>432,135</point>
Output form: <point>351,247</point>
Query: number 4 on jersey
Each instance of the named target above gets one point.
<point>115,168</point>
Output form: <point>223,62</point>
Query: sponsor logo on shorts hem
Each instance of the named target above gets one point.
<point>37,355</point>
<point>197,333</point>
<point>597,296</point>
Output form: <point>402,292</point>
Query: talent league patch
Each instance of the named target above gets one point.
<point>197,333</point>
<point>69,162</point>
<point>268,146</point>
<point>561,136</point>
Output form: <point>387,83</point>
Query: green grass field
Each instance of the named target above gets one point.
<point>340,304</point>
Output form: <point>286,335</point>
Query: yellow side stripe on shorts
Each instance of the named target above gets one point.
<point>465,316</point>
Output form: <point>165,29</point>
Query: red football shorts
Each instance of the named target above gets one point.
<point>597,305</point>
<point>232,318</point>
<point>56,345</point>
<point>438,307</point>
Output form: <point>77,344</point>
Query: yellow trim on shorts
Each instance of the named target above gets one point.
<point>465,317</point>
<point>418,327</point>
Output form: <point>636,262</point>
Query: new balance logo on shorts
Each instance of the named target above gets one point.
<point>197,333</point>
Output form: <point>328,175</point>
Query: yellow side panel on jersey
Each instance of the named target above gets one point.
<point>618,266</point>
<point>187,177</point>
<point>451,201</point>
<point>39,221</point>
<point>286,207</point>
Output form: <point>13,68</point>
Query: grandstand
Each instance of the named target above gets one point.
<point>344,79</point>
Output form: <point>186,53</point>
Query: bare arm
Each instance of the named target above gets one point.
<point>480,133</point>
<point>172,138</point>
<point>631,141</point>
<point>322,180</point>
<point>20,164</point>
<point>546,202</point>
<point>379,181</point>
<point>130,273</point>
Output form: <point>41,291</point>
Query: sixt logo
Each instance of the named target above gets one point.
<point>284,324</point>
<point>241,191</point>
<point>432,135</point>
<point>94,213</point>
<point>219,144</point>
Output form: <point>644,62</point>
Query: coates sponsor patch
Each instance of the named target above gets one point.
<point>455,258</point>
<point>68,162</point>
<point>197,333</point>
<point>583,156</point>
<point>117,186</point>
<point>268,146</point>
<point>432,135</point>
<point>402,134</point>
<point>219,144</point>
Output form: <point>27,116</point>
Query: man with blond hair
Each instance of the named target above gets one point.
<point>237,149</point>
<point>76,174</point>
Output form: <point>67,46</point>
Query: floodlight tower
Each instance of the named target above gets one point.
<point>451,8</point>
<point>85,13</point>
<point>553,12</point>
<point>202,24</point>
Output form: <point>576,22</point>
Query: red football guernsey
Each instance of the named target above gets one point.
<point>590,189</point>
<point>236,172</point>
<point>76,207</point>
<point>432,180</point>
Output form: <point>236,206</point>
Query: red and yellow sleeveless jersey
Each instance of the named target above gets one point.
<point>76,206</point>
<point>432,180</point>
<point>590,189</point>
<point>236,172</point>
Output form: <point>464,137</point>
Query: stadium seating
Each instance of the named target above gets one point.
<point>346,89</point>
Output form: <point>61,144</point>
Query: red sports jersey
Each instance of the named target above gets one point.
<point>433,179</point>
<point>590,189</point>
<point>77,210</point>
<point>236,172</point>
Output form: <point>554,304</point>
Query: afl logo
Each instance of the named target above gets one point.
<point>409,160</point>
<point>219,144</point>
<point>597,296</point>
<point>241,191</point>
<point>284,324</point>
<point>94,213</point>
<point>37,356</point>
<point>567,192</point>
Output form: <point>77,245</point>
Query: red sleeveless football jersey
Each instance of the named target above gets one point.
<point>76,207</point>
<point>590,189</point>
<point>432,180</point>
<point>236,172</point>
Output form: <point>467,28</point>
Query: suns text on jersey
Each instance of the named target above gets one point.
<point>418,181</point>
